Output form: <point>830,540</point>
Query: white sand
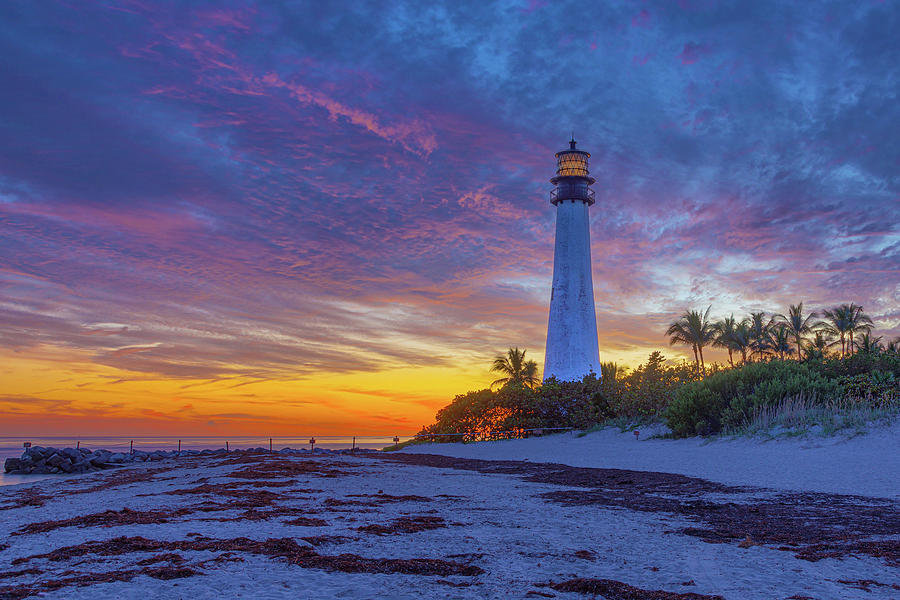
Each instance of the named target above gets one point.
<point>497,522</point>
<point>867,465</point>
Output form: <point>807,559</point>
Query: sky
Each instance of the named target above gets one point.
<point>291,218</point>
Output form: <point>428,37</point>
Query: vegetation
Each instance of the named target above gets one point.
<point>639,394</point>
<point>516,369</point>
<point>797,366</point>
<point>693,329</point>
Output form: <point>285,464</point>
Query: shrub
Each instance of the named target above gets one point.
<point>729,398</point>
<point>649,389</point>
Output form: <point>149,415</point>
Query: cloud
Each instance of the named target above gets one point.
<point>267,192</point>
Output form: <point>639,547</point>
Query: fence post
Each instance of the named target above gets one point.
<point>179,446</point>
<point>77,445</point>
<point>353,446</point>
<point>270,444</point>
<point>226,447</point>
<point>131,447</point>
<point>312,444</point>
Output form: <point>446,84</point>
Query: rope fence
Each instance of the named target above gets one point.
<point>485,436</point>
<point>12,447</point>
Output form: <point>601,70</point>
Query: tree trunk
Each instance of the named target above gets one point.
<point>730,360</point>
<point>702,364</point>
<point>696,359</point>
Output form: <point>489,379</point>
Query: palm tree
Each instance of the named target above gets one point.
<point>893,346</point>
<point>610,371</point>
<point>725,336</point>
<point>798,325</point>
<point>780,340</point>
<point>836,325</point>
<point>845,320</point>
<point>694,329</point>
<point>516,369</point>
<point>760,334</point>
<point>868,344</point>
<point>818,346</point>
<point>859,322</point>
<point>741,338</point>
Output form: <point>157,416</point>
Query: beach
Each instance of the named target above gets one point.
<point>561,516</point>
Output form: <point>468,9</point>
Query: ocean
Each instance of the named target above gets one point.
<point>13,447</point>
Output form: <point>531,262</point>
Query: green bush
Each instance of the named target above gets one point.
<point>729,398</point>
<point>649,389</point>
<point>877,387</point>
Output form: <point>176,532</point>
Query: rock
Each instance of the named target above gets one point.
<point>38,451</point>
<point>71,453</point>
<point>118,458</point>
<point>61,462</point>
<point>12,464</point>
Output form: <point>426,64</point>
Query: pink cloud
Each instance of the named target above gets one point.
<point>413,135</point>
<point>692,52</point>
<point>642,19</point>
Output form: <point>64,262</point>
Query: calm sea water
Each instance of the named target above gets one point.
<point>12,447</point>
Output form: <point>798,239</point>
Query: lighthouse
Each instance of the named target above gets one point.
<point>572,351</point>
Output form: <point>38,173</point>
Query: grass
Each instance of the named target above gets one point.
<point>799,416</point>
<point>623,424</point>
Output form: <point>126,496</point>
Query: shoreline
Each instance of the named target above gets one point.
<point>411,525</point>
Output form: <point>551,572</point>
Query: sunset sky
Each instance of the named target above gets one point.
<point>327,217</point>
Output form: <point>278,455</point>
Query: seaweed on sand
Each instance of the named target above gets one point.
<point>288,468</point>
<point>107,518</point>
<point>405,525</point>
<point>284,548</point>
<point>616,590</point>
<point>307,522</point>
<point>812,525</point>
<point>18,592</point>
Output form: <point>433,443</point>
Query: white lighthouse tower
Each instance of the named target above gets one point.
<point>572,351</point>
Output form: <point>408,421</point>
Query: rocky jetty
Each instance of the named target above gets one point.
<point>39,460</point>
